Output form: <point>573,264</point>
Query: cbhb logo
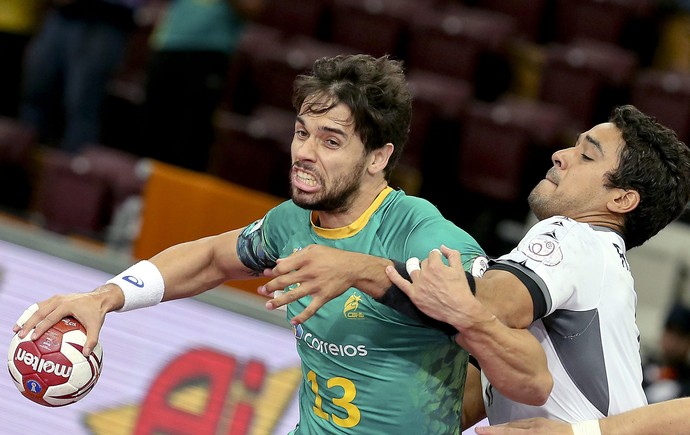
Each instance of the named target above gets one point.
<point>351,307</point>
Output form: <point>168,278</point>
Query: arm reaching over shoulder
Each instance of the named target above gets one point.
<point>670,417</point>
<point>324,273</point>
<point>512,359</point>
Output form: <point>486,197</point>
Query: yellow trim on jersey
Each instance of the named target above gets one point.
<point>354,227</point>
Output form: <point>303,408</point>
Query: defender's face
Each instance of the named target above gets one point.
<point>328,160</point>
<point>574,186</point>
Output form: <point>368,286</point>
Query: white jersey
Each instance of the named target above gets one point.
<point>588,330</point>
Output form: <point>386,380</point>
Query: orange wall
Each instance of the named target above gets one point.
<point>181,205</point>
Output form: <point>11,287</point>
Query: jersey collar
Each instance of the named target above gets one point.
<point>354,227</point>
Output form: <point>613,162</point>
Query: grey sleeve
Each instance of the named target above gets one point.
<point>251,249</point>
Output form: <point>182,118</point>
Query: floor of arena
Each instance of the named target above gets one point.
<point>177,358</point>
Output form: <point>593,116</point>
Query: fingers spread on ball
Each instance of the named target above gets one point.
<point>19,324</point>
<point>51,370</point>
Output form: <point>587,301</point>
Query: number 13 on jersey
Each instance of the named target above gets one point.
<point>344,401</point>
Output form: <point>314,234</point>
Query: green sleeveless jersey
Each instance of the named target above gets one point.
<point>368,369</point>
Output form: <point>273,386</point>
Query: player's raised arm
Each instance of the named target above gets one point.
<point>511,357</point>
<point>180,271</point>
<point>194,267</point>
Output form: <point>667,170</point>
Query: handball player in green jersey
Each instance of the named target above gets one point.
<point>367,368</point>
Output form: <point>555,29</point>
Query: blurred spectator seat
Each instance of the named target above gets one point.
<point>666,96</point>
<point>437,101</point>
<point>17,142</point>
<point>295,17</point>
<point>72,198</point>
<point>125,176</point>
<point>525,52</point>
<point>604,20</point>
<point>631,24</point>
<point>78,194</point>
<point>504,149</point>
<point>500,140</point>
<point>274,66</point>
<point>587,78</point>
<point>123,173</point>
<point>239,95</point>
<point>527,61</point>
<point>465,43</point>
<point>530,16</point>
<point>375,27</point>
<point>672,52</point>
<point>254,151</point>
<point>125,91</point>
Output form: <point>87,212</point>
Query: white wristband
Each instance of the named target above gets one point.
<point>142,285</point>
<point>589,427</point>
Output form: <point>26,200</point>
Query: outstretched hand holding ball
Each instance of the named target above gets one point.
<point>52,370</point>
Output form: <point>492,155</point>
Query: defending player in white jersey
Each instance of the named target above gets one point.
<point>584,306</point>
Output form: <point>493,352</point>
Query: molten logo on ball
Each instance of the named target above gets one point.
<point>40,365</point>
<point>52,370</point>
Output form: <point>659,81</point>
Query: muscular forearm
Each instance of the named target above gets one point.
<point>191,268</point>
<point>505,296</point>
<point>180,271</point>
<point>369,274</point>
<point>512,359</point>
<point>669,417</point>
<point>324,273</point>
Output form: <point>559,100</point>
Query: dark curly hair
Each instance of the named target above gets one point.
<point>374,89</point>
<point>656,164</point>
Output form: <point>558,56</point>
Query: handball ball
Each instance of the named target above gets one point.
<point>51,370</point>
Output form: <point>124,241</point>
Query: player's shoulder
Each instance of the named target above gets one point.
<point>286,213</point>
<point>400,202</point>
<point>410,213</point>
<point>559,227</point>
<point>557,234</point>
<point>425,225</point>
<point>288,207</point>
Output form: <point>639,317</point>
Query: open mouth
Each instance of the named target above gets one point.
<point>304,180</point>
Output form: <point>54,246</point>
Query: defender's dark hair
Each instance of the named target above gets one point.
<point>374,89</point>
<point>655,163</point>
